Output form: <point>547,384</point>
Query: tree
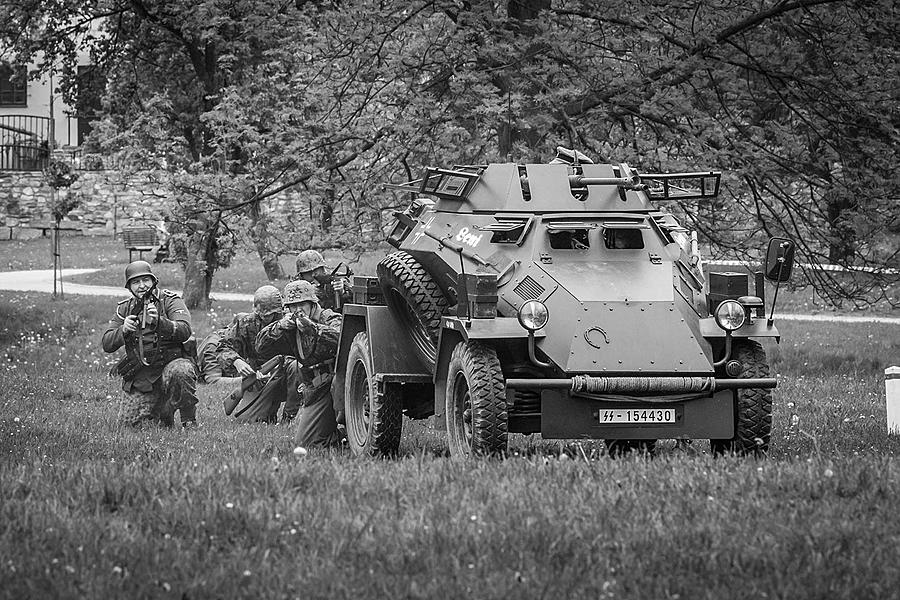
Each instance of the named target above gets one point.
<point>245,101</point>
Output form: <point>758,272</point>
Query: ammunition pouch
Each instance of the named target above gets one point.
<point>318,374</point>
<point>127,367</point>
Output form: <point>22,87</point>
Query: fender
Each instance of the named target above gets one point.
<point>455,330</point>
<point>757,328</point>
<point>389,347</point>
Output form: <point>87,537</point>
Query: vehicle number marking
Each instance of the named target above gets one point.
<point>635,415</point>
<point>466,237</point>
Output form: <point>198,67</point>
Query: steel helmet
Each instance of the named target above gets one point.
<point>309,260</point>
<point>300,291</point>
<point>138,268</point>
<point>267,300</point>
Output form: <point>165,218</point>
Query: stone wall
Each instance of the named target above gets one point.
<point>109,201</point>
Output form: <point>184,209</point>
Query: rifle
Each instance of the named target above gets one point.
<point>249,383</point>
<point>141,310</point>
<point>338,296</point>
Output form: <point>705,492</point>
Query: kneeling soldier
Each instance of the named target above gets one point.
<point>307,336</point>
<point>236,352</point>
<point>157,375</point>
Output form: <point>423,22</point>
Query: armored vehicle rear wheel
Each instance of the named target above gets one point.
<point>374,422</point>
<point>618,448</point>
<point>476,402</point>
<point>753,426</point>
<point>415,299</point>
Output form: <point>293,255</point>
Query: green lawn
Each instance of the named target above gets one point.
<point>88,509</point>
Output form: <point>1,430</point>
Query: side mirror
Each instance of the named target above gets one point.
<point>779,259</point>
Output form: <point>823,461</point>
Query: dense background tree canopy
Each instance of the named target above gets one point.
<point>796,101</point>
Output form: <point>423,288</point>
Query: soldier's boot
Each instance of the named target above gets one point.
<point>294,390</point>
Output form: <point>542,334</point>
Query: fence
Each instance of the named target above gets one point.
<point>24,142</point>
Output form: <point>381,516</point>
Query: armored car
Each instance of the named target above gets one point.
<point>562,300</point>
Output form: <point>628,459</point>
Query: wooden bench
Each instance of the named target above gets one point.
<point>140,240</point>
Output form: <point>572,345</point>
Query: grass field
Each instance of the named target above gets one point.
<point>91,510</point>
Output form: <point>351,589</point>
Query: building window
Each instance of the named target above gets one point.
<point>13,89</point>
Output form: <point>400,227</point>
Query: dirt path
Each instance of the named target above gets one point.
<point>42,281</point>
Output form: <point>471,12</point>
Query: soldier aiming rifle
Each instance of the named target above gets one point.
<point>158,371</point>
<point>307,337</point>
<point>333,288</point>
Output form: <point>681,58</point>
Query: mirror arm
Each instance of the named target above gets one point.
<point>771,319</point>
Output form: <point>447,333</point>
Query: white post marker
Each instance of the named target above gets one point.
<point>892,398</point>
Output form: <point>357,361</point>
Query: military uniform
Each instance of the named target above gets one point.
<point>311,346</point>
<point>239,342</point>
<point>169,383</point>
<point>327,296</point>
<point>211,369</point>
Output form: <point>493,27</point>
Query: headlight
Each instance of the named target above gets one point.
<point>533,315</point>
<point>730,315</point>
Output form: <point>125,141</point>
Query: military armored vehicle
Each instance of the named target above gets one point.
<point>557,299</point>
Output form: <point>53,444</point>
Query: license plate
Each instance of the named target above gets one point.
<point>635,415</point>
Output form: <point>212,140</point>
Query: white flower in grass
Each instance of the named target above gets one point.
<point>229,505</point>
<point>828,473</point>
<point>247,573</point>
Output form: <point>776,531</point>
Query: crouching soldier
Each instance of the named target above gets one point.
<point>158,376</point>
<point>237,353</point>
<point>307,336</point>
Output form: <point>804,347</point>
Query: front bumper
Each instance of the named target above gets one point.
<point>704,407</point>
<point>565,416</point>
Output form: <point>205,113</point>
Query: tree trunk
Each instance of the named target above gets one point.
<point>259,233</point>
<point>838,203</point>
<point>201,261</point>
<point>326,217</point>
<point>509,133</point>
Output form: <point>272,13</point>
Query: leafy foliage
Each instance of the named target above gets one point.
<point>793,100</point>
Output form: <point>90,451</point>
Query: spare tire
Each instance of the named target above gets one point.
<point>416,300</point>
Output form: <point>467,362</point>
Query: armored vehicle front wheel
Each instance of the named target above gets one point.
<point>753,426</point>
<point>374,421</point>
<point>416,299</point>
<point>476,402</point>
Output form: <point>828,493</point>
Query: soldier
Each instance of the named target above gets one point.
<point>237,352</point>
<point>332,292</point>
<point>307,335</point>
<point>208,355</point>
<point>157,375</point>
